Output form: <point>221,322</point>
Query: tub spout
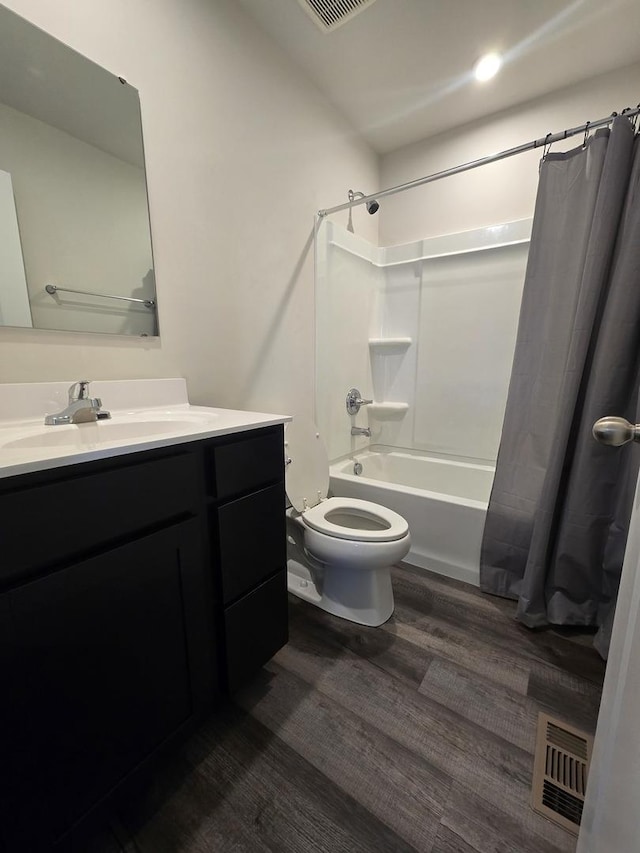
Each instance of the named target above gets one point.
<point>361,431</point>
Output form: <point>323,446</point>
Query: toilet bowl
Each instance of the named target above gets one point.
<point>339,550</point>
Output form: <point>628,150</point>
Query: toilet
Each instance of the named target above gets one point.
<point>339,550</point>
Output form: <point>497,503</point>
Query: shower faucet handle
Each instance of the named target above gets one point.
<point>354,401</point>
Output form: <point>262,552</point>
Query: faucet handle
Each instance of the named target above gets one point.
<point>354,401</point>
<point>79,390</point>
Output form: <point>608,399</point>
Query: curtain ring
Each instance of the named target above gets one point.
<point>546,146</point>
<point>632,119</point>
<point>586,134</point>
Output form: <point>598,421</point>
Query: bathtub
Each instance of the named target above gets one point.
<point>443,500</point>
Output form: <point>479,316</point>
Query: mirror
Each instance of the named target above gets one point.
<point>75,242</point>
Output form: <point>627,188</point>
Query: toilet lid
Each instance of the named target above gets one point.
<point>355,519</point>
<point>307,475</point>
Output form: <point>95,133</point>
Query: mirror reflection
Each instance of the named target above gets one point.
<point>75,243</point>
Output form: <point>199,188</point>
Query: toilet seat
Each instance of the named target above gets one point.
<point>387,525</point>
<point>339,550</point>
<point>307,472</point>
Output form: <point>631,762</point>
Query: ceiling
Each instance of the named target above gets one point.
<point>401,70</point>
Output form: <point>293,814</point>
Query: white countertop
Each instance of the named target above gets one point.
<point>163,417</point>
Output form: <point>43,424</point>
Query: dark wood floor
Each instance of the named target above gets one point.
<point>417,736</point>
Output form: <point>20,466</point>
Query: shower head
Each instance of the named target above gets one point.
<point>372,205</point>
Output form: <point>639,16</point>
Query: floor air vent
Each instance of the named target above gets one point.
<point>330,14</point>
<point>560,772</point>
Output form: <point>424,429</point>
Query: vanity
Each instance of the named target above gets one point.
<point>142,554</point>
<point>143,576</point>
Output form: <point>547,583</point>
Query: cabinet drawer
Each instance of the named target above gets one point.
<point>246,464</point>
<point>256,627</point>
<point>252,540</point>
<point>45,524</point>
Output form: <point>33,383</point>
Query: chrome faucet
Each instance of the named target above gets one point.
<point>354,401</point>
<point>81,409</point>
<point>361,431</point>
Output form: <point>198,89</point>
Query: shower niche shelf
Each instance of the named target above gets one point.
<point>387,411</point>
<point>389,344</point>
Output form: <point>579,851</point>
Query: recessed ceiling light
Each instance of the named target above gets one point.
<point>487,66</point>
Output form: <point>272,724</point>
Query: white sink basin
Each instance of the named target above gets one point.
<point>101,432</point>
<point>145,414</point>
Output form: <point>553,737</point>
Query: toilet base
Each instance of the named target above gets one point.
<point>363,597</point>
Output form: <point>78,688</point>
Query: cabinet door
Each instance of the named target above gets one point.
<point>99,676</point>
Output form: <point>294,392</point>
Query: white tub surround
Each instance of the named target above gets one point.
<point>145,414</point>
<point>387,411</point>
<point>444,502</point>
<point>427,330</point>
<point>399,344</point>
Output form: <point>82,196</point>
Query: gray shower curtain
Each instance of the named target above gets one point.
<point>560,505</point>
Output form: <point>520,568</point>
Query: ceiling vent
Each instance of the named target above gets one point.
<point>331,14</point>
<point>560,772</point>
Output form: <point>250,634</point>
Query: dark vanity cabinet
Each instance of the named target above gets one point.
<point>134,591</point>
<point>247,531</point>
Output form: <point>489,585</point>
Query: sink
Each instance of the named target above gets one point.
<point>145,414</point>
<point>81,435</point>
<point>123,427</point>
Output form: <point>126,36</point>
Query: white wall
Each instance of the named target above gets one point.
<point>83,224</point>
<point>500,192</point>
<point>241,151</point>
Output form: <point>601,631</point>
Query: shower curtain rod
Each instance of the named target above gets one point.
<point>491,158</point>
